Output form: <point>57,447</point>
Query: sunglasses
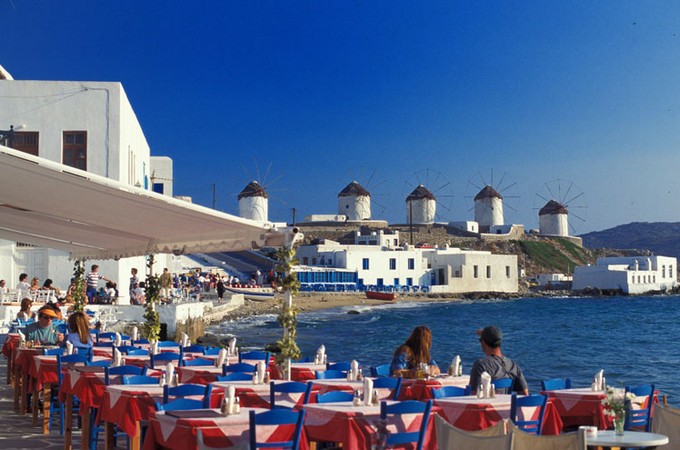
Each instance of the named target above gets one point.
<point>43,316</point>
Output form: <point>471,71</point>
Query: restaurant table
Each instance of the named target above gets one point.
<point>176,430</point>
<point>414,389</point>
<point>471,413</point>
<point>354,426</point>
<point>198,374</point>
<point>299,371</point>
<point>635,439</point>
<point>256,395</point>
<point>8,348</point>
<point>338,384</point>
<point>580,406</point>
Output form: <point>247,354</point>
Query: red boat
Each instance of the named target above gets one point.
<point>376,295</point>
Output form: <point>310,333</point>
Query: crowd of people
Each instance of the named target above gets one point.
<point>414,356</point>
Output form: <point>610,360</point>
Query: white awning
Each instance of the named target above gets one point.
<point>50,205</point>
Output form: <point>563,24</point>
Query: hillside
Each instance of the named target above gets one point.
<point>659,238</point>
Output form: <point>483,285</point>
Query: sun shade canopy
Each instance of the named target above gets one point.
<point>47,204</point>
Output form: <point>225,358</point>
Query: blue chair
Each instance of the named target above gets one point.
<point>394,410</point>
<point>382,370</point>
<point>344,366</point>
<point>389,383</point>
<point>165,357</point>
<point>195,348</point>
<point>100,363</point>
<point>277,417</point>
<point>335,396</point>
<point>56,407</point>
<point>139,379</point>
<point>196,362</point>
<point>137,352</point>
<point>238,367</point>
<point>330,374</point>
<point>255,355</point>
<point>555,383</point>
<point>188,390</point>
<point>528,425</point>
<point>126,348</point>
<point>504,384</point>
<point>212,350</point>
<point>123,370</point>
<point>179,404</point>
<point>289,387</point>
<point>640,419</point>
<point>235,376</point>
<point>54,351</point>
<point>140,341</point>
<point>450,391</point>
<point>168,344</point>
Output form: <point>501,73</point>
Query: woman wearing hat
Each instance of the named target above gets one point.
<point>44,330</point>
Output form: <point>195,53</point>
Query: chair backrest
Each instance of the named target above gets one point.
<point>450,391</point>
<point>168,344</point>
<point>503,383</point>
<point>69,359</point>
<point>196,362</point>
<point>164,358</point>
<point>279,390</point>
<point>100,363</point>
<point>345,366</point>
<point>277,417</point>
<point>335,396</point>
<point>140,341</point>
<point>238,367</point>
<point>389,383</point>
<point>139,379</point>
<point>123,370</point>
<point>407,407</point>
<point>194,348</point>
<point>526,441</point>
<point>667,421</point>
<point>127,348</point>
<point>452,438</point>
<point>180,404</point>
<point>382,370</point>
<point>255,355</point>
<point>640,419</point>
<point>235,376</point>
<point>330,374</point>
<point>188,390</point>
<point>212,350</point>
<point>137,352</point>
<point>533,423</point>
<point>555,383</point>
<point>54,351</point>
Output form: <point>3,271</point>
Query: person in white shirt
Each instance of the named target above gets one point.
<point>23,284</point>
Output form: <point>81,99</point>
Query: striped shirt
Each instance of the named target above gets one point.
<point>92,279</point>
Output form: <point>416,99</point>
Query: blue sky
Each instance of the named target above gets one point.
<point>307,95</point>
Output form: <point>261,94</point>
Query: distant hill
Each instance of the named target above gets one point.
<point>659,238</point>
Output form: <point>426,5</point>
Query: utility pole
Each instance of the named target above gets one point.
<point>214,195</point>
<point>294,216</point>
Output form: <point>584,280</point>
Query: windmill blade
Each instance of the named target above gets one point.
<point>508,187</point>
<point>500,183</point>
<point>566,194</point>
<point>544,198</point>
<point>508,206</point>
<point>567,202</point>
<point>577,217</point>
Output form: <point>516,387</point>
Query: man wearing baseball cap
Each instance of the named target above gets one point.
<point>494,363</point>
<point>43,330</point>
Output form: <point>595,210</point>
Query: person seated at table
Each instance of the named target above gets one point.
<point>495,363</point>
<point>44,330</point>
<point>414,354</point>
<point>25,312</point>
<point>47,286</point>
<point>79,331</point>
<point>35,284</point>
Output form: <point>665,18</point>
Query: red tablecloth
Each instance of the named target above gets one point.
<point>257,395</point>
<point>580,406</point>
<point>168,432</point>
<point>11,342</point>
<point>198,374</point>
<point>354,426</point>
<point>298,371</point>
<point>470,413</point>
<point>412,389</point>
<point>126,405</point>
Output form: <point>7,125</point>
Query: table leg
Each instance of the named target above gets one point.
<point>10,368</point>
<point>85,417</point>
<point>108,436</point>
<point>17,388</point>
<point>68,422</point>
<point>24,393</point>
<point>35,402</point>
<point>47,389</point>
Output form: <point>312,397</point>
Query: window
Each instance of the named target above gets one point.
<point>411,264</point>
<point>488,271</point>
<point>158,188</point>
<point>25,141</point>
<point>75,149</point>
<point>393,264</point>
<point>305,260</point>
<point>365,265</point>
<point>396,281</point>
<point>475,271</point>
<point>409,282</point>
<point>380,282</point>
<point>507,271</point>
<point>314,260</point>
<point>663,271</point>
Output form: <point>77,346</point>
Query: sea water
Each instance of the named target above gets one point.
<point>634,339</point>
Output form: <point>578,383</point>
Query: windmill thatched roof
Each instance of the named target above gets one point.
<point>553,207</point>
<point>252,189</point>
<point>420,193</point>
<point>354,188</point>
<point>488,192</point>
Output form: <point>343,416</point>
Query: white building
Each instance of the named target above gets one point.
<point>488,208</point>
<point>253,203</point>
<point>553,219</point>
<point>630,275</point>
<point>87,125</point>
<point>354,201</point>
<point>381,262</point>
<point>421,206</point>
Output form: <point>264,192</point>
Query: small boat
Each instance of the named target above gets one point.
<point>377,295</point>
<point>259,294</point>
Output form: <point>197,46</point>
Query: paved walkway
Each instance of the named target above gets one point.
<point>16,431</point>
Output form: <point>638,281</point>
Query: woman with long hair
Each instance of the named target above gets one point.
<point>35,284</point>
<point>25,312</point>
<point>414,354</point>
<point>79,331</point>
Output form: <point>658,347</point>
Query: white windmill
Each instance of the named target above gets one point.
<point>557,202</point>
<point>429,195</point>
<point>354,201</point>
<point>489,205</point>
<point>253,202</point>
